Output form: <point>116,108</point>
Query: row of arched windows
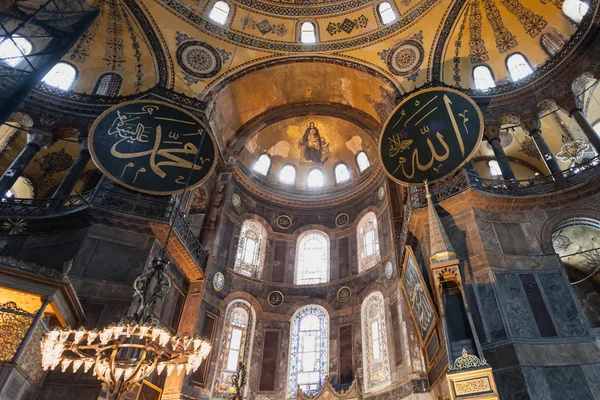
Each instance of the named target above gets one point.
<point>315,177</point>
<point>309,346</point>
<point>307,32</point>
<point>312,251</point>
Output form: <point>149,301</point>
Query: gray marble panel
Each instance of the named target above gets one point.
<point>512,238</point>
<point>515,305</point>
<point>592,376</point>
<point>569,320</point>
<point>536,382</point>
<point>490,312</point>
<point>511,384</point>
<point>567,383</point>
<point>488,236</point>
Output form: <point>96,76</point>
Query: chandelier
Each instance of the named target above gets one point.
<point>125,353</point>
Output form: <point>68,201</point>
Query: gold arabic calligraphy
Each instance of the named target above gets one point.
<point>129,128</point>
<point>400,143</point>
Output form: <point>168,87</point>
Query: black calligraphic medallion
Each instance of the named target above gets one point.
<point>152,147</point>
<point>430,135</point>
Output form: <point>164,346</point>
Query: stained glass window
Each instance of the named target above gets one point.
<point>375,349</point>
<point>552,41</point>
<point>108,84</point>
<point>250,253</point>
<point>235,347</point>
<point>312,258</point>
<point>309,350</point>
<point>368,242</point>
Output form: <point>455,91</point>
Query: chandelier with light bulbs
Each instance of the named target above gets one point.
<point>124,354</point>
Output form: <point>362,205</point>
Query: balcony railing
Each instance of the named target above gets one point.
<point>109,197</point>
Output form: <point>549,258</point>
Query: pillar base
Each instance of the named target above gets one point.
<point>472,384</point>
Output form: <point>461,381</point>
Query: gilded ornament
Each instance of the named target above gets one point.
<point>344,294</point>
<point>14,227</point>
<point>466,361</point>
<point>276,298</point>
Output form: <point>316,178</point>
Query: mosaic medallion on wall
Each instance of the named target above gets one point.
<point>218,281</point>
<point>389,270</point>
<point>198,59</point>
<point>284,221</point>
<point>406,57</point>
<point>236,201</point>
<point>276,298</point>
<point>344,294</point>
<point>341,219</point>
<point>381,193</point>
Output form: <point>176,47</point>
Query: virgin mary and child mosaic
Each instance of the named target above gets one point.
<point>314,148</point>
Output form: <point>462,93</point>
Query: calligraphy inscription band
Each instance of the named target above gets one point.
<point>152,147</point>
<point>430,135</point>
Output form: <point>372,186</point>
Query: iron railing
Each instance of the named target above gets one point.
<point>189,240</point>
<point>39,208</point>
<point>538,186</point>
<point>440,191</point>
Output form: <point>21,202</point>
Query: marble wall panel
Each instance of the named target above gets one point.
<point>516,307</point>
<point>565,310</point>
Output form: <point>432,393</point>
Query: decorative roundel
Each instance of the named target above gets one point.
<point>389,270</point>
<point>284,221</point>
<point>198,59</point>
<point>341,219</point>
<point>276,298</point>
<point>406,57</point>
<point>236,201</point>
<point>381,193</point>
<point>344,294</point>
<point>218,281</point>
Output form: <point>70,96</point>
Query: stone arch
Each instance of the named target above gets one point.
<point>559,218</point>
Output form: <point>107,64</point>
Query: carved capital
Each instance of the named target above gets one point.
<point>21,118</point>
<point>40,138</point>
<point>531,124</point>
<point>570,103</point>
<point>491,132</point>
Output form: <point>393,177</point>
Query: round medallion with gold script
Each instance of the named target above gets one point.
<point>152,147</point>
<point>344,294</point>
<point>276,298</point>
<point>430,135</point>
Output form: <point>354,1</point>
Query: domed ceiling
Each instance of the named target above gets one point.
<point>308,143</point>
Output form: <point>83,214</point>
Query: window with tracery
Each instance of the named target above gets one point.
<point>575,9</point>
<point>494,168</point>
<point>307,33</point>
<point>482,75</point>
<point>262,165</point>
<point>108,84</point>
<point>251,249</point>
<point>312,258</point>
<point>309,350</point>
<point>363,161</point>
<point>288,175</point>
<point>61,76</point>
<point>235,347</point>
<point>518,67</point>
<point>341,173</point>
<point>219,12</point>
<point>375,347</point>
<point>386,13</point>
<point>368,242</point>
<point>552,42</point>
<point>13,50</point>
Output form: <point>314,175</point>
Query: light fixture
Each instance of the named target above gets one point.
<point>126,353</point>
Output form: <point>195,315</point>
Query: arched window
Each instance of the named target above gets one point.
<point>597,127</point>
<point>312,258</point>
<point>13,50</point>
<point>236,342</point>
<point>61,76</point>
<point>262,165</point>
<point>219,12</point>
<point>494,168</point>
<point>341,173</point>
<point>552,42</point>
<point>307,33</point>
<point>482,75</point>
<point>376,361</point>
<point>363,161</point>
<point>315,178</point>
<point>368,242</point>
<point>575,9</point>
<point>386,13</point>
<point>518,67</point>
<point>108,84</point>
<point>309,350</point>
<point>251,249</point>
<point>287,175</point>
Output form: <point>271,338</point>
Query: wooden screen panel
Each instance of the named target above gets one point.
<point>346,370</point>
<point>268,369</point>
<point>209,326</point>
<point>279,262</point>
<point>344,258</point>
<point>396,332</point>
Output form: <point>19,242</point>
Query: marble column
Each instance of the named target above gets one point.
<point>587,128</point>
<point>35,142</point>
<point>70,180</point>
<point>507,172</point>
<point>533,127</point>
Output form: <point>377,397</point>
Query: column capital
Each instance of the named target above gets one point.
<point>21,118</point>
<point>40,139</point>
<point>531,124</point>
<point>491,132</point>
<point>83,144</point>
<point>570,103</point>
